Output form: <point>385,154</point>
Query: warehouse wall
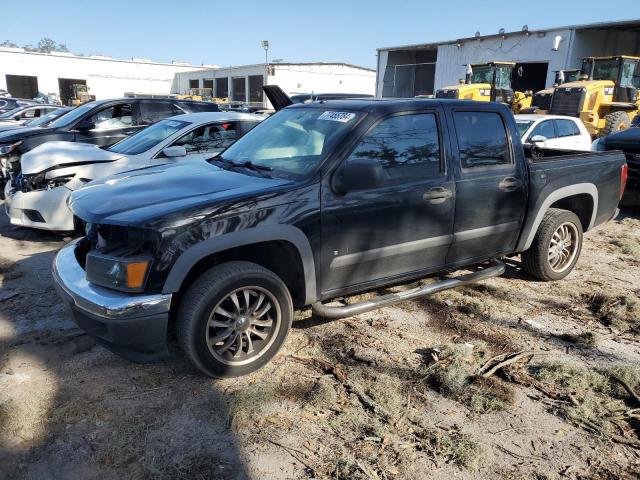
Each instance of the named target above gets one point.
<point>518,48</point>
<point>596,43</point>
<point>106,78</point>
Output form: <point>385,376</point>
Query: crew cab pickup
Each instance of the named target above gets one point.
<point>320,201</point>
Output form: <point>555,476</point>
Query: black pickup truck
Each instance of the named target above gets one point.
<point>628,141</point>
<point>320,201</point>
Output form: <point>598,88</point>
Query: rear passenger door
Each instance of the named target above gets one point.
<point>403,225</point>
<point>151,112</point>
<point>491,187</point>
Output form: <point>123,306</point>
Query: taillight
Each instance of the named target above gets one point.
<point>624,174</point>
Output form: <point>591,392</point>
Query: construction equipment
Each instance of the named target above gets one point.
<point>488,82</point>
<point>80,94</point>
<point>541,101</point>
<point>605,97</point>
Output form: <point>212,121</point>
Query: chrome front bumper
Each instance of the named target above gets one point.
<point>132,325</point>
<point>101,301</point>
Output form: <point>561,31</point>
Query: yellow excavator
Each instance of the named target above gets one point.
<point>541,101</point>
<point>488,82</point>
<point>606,97</point>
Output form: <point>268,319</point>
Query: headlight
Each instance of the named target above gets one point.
<point>126,274</point>
<point>608,91</point>
<point>8,148</point>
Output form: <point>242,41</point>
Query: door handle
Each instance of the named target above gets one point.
<point>510,184</point>
<point>437,195</point>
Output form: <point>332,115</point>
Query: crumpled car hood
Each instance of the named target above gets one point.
<point>56,154</point>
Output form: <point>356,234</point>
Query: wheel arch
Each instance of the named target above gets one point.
<point>569,198</point>
<point>261,242</point>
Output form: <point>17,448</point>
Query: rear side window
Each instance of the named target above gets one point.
<point>407,146</point>
<point>567,128</point>
<point>151,112</point>
<point>482,139</point>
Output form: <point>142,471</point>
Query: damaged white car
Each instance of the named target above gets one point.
<point>37,196</point>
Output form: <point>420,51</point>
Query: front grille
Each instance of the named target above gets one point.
<point>542,101</point>
<point>567,101</point>
<point>447,94</point>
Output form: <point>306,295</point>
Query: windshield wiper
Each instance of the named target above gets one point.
<point>247,164</point>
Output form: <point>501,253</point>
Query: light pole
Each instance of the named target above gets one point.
<point>265,45</point>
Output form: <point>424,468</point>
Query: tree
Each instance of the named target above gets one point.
<point>46,45</point>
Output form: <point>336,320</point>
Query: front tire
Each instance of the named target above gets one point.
<point>614,122</point>
<point>233,319</point>
<point>556,246</point>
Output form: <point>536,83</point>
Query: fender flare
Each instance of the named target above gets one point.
<point>564,192</point>
<point>191,256</point>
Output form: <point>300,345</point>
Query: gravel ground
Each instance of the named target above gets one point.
<point>392,394</point>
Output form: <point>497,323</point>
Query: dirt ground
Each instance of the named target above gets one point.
<point>407,392</point>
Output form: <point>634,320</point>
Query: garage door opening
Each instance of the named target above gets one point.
<point>22,86</point>
<point>67,89</point>
<point>530,76</point>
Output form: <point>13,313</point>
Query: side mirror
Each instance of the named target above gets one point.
<point>175,151</point>
<point>17,118</point>
<point>538,139</point>
<point>85,125</point>
<point>359,174</point>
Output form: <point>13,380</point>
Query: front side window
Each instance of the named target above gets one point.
<point>407,147</point>
<point>544,129</point>
<point>567,128</point>
<point>148,138</point>
<point>482,139</point>
<point>31,113</point>
<point>630,74</point>
<point>117,116</point>
<point>293,141</point>
<point>210,138</point>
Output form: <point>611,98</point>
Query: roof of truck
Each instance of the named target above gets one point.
<point>397,104</point>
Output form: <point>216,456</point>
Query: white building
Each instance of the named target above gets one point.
<point>244,83</point>
<point>411,70</point>
<point>25,74</point>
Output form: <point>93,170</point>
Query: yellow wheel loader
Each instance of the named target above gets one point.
<point>541,101</point>
<point>488,82</point>
<point>605,97</point>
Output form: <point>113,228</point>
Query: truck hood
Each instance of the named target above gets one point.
<point>57,154</point>
<point>133,197</point>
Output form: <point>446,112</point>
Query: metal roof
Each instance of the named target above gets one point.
<point>619,25</point>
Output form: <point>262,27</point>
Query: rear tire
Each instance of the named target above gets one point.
<point>614,122</point>
<point>233,319</point>
<point>556,246</point>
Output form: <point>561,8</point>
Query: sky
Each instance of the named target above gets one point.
<point>230,32</point>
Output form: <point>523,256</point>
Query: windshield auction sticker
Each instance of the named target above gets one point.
<point>342,117</point>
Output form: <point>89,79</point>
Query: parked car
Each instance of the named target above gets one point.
<point>24,113</point>
<point>319,201</point>
<point>40,121</point>
<point>37,197</point>
<point>553,131</point>
<point>102,122</point>
<point>629,142</point>
<point>9,103</point>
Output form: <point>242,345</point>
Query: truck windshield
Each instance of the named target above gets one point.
<point>148,138</point>
<point>294,141</point>
<point>606,70</point>
<point>482,74</point>
<point>503,77</point>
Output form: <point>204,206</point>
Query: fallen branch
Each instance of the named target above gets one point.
<point>293,451</point>
<point>508,360</point>
<point>628,388</point>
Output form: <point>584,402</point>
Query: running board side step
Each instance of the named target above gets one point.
<point>495,268</point>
